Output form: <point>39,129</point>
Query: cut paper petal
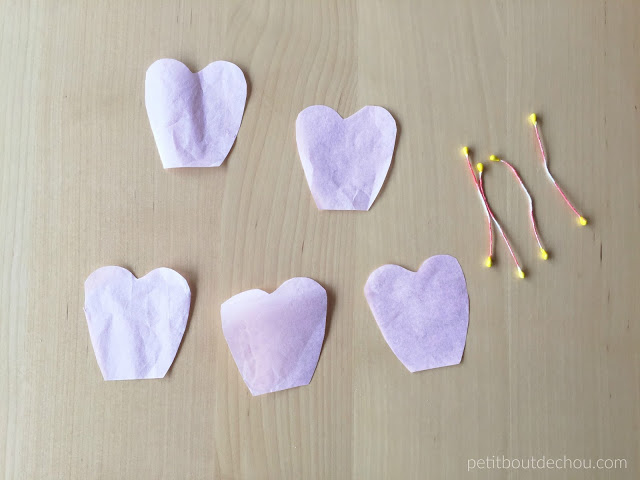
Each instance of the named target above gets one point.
<point>135,325</point>
<point>195,117</point>
<point>275,339</point>
<point>345,160</point>
<point>422,315</point>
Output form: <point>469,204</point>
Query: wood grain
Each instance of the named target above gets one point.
<point>552,364</point>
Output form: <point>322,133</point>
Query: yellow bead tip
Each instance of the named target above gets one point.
<point>479,166</point>
<point>543,254</point>
<point>520,273</point>
<point>488,262</point>
<point>465,151</point>
<point>493,158</point>
<point>533,119</point>
<point>582,221</point>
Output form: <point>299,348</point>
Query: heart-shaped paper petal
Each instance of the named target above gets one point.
<point>345,160</point>
<point>275,339</point>
<point>423,315</point>
<point>195,117</point>
<point>136,325</point>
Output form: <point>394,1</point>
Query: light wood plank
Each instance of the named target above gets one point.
<point>552,364</point>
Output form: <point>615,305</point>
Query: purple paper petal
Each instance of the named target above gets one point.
<point>136,325</point>
<point>345,160</point>
<point>275,339</point>
<point>422,315</point>
<point>195,117</point>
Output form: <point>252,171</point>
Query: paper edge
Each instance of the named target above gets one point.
<point>422,265</point>
<point>262,294</point>
<point>197,73</point>
<point>308,169</point>
<point>131,274</point>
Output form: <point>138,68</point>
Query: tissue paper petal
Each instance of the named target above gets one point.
<point>275,339</point>
<point>345,160</point>
<point>195,117</point>
<point>423,315</point>
<point>135,325</point>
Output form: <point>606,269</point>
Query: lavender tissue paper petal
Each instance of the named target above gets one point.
<point>422,315</point>
<point>345,160</point>
<point>195,117</point>
<point>275,339</point>
<point>135,325</point>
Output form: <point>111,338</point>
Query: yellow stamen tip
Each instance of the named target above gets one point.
<point>543,254</point>
<point>488,262</point>
<point>533,119</point>
<point>465,151</point>
<point>479,166</point>
<point>493,158</point>
<point>583,221</point>
<point>520,273</point>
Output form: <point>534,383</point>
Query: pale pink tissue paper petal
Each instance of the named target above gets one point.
<point>422,315</point>
<point>275,339</point>
<point>345,160</point>
<point>136,325</point>
<point>195,117</point>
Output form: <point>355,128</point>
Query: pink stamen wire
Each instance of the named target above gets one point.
<point>484,203</point>
<point>504,235</point>
<point>546,167</point>
<point>531,214</point>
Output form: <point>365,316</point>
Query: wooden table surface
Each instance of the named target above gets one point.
<point>552,362</point>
